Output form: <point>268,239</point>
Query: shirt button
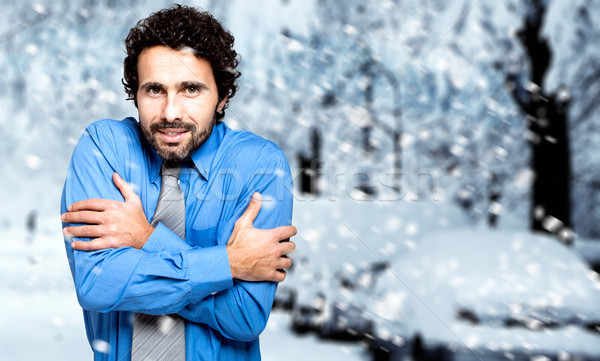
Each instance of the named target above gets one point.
<point>214,293</point>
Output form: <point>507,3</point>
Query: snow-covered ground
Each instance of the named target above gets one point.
<point>437,264</point>
<point>277,343</point>
<point>466,288</point>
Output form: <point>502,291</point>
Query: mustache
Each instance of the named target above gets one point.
<point>177,124</point>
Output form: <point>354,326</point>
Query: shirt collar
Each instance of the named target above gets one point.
<point>202,157</point>
<point>155,161</point>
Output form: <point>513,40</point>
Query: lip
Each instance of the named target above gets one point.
<point>171,135</point>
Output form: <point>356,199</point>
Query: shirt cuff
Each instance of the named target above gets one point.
<point>209,269</point>
<point>163,239</point>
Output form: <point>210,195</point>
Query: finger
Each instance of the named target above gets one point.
<point>124,187</point>
<point>287,247</point>
<point>284,263</point>
<point>285,232</point>
<point>91,204</point>
<point>93,245</point>
<point>83,231</point>
<point>252,211</point>
<point>279,275</point>
<point>89,217</point>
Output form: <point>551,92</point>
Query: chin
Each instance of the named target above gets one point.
<point>177,151</point>
<point>173,155</point>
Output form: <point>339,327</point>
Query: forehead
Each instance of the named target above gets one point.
<point>168,66</point>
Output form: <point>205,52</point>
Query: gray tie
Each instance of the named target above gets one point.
<point>157,338</point>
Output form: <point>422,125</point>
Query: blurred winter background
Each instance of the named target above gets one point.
<point>445,157</point>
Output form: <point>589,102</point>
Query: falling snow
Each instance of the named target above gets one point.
<point>437,72</point>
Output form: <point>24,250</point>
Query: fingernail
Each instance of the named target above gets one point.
<point>62,217</point>
<point>69,208</point>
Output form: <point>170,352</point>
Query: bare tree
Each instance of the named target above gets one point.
<point>546,116</point>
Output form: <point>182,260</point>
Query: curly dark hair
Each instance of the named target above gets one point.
<point>178,27</point>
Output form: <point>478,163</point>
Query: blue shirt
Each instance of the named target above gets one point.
<point>190,277</point>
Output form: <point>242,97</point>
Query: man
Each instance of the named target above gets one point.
<point>218,278</point>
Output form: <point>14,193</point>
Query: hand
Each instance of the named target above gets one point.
<point>257,254</point>
<point>112,224</point>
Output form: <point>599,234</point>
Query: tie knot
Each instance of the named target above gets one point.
<point>171,169</point>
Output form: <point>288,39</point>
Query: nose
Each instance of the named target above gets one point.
<point>172,110</point>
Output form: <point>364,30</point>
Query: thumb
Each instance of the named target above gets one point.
<point>124,188</point>
<point>252,211</point>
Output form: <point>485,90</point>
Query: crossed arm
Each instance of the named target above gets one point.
<point>254,254</point>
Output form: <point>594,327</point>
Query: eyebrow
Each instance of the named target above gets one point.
<point>195,84</point>
<point>151,85</point>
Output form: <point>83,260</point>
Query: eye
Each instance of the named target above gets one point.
<point>192,89</point>
<point>154,90</point>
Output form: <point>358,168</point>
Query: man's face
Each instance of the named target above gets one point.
<point>177,99</point>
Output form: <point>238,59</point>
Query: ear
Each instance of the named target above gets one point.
<point>221,104</point>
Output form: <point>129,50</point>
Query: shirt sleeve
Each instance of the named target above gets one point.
<point>241,312</point>
<point>126,278</point>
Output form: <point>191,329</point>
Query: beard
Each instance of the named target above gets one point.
<point>177,151</point>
